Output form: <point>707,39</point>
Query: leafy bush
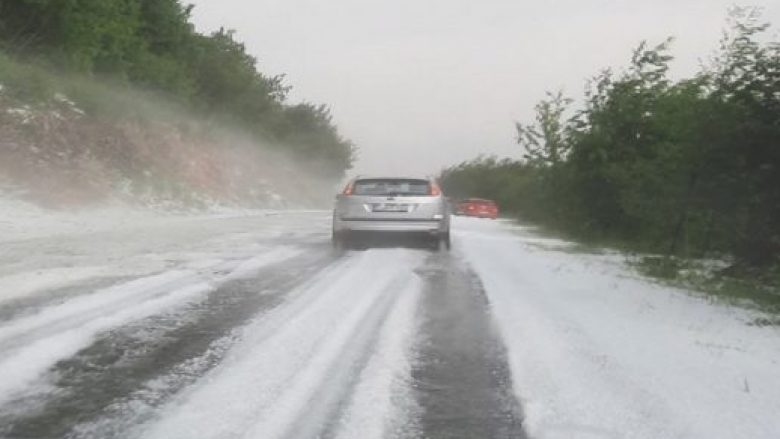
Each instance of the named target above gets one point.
<point>685,168</point>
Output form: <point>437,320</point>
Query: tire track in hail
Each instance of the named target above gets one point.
<point>297,379</point>
<point>130,364</point>
<point>463,384</point>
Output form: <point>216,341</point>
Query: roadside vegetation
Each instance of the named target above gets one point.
<point>688,169</point>
<point>140,63</point>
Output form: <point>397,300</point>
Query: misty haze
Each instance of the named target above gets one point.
<point>389,219</point>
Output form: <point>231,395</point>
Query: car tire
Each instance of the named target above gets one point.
<point>340,241</point>
<point>443,242</point>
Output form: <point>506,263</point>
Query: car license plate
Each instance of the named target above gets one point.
<point>391,208</point>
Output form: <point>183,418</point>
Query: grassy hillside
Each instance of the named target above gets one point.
<point>66,141</point>
<point>125,94</point>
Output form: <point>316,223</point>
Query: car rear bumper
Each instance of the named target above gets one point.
<point>481,215</point>
<point>376,225</point>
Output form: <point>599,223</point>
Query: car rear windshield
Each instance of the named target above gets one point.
<point>392,187</point>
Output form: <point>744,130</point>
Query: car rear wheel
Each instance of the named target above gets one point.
<point>442,242</point>
<point>339,240</point>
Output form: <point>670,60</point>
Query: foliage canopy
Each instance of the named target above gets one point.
<point>686,167</point>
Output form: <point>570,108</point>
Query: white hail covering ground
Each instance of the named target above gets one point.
<point>290,363</point>
<point>595,351</point>
<point>344,333</point>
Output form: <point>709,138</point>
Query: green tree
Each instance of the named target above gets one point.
<point>546,141</point>
<point>684,167</point>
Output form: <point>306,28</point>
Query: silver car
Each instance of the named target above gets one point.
<point>392,206</point>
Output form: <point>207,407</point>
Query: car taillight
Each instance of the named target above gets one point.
<point>435,190</point>
<point>349,189</point>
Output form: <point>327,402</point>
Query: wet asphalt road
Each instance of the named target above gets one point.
<point>460,380</point>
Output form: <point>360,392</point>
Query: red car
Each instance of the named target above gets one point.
<point>478,207</point>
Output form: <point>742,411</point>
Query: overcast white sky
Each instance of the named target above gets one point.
<point>421,84</point>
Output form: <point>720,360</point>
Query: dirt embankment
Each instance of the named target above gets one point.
<point>57,154</point>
